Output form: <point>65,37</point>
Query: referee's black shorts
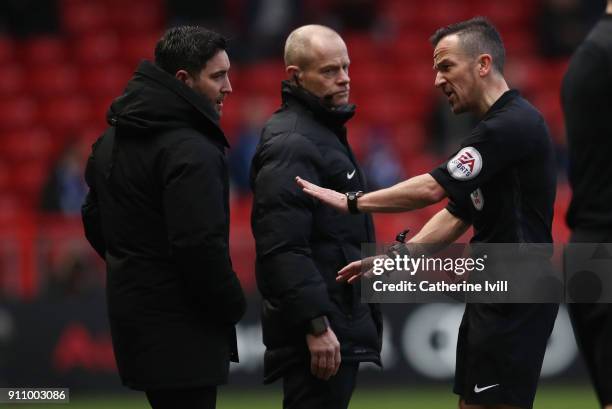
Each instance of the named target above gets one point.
<point>500,352</point>
<point>593,327</point>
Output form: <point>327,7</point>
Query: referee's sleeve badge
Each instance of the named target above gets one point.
<point>466,164</point>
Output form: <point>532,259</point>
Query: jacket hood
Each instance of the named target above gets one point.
<point>334,117</point>
<point>155,101</point>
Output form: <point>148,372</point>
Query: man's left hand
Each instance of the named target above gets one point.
<point>329,197</point>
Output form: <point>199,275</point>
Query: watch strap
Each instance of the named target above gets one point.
<point>351,201</point>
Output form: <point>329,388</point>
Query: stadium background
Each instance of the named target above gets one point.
<point>62,63</point>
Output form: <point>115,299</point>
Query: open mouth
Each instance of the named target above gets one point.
<point>449,95</point>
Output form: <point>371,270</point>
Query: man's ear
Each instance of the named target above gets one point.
<point>485,64</point>
<point>184,76</point>
<point>294,73</point>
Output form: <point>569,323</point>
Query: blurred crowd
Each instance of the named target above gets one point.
<point>402,125</point>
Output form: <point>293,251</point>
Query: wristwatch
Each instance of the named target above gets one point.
<point>318,325</point>
<point>351,201</point>
<point>399,247</point>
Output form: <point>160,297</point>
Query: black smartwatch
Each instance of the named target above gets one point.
<point>318,325</point>
<point>399,248</point>
<point>351,201</point>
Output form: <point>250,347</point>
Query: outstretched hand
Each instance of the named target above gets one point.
<point>357,269</point>
<point>329,197</point>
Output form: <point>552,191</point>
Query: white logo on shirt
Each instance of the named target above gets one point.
<point>484,388</point>
<point>350,175</point>
<point>477,199</point>
<point>466,164</point>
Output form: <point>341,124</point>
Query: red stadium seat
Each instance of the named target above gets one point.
<point>85,17</point>
<point>65,114</point>
<point>44,50</point>
<point>561,233</point>
<point>519,44</point>
<point>28,179</point>
<point>362,48</point>
<point>503,15</point>
<point>105,80</point>
<point>387,225</point>
<point>11,80</point>
<point>53,80</point>
<point>421,163</point>
<point>415,80</point>
<point>527,74</point>
<point>411,47</point>
<point>97,48</point>
<point>232,115</point>
<point>137,16</point>
<point>26,145</point>
<point>435,14</point>
<point>558,69</point>
<point>10,208</point>
<point>138,47</point>
<point>548,102</point>
<point>537,75</point>
<point>368,77</point>
<point>236,79</point>
<point>90,134</point>
<point>358,136</point>
<point>7,49</point>
<point>99,108</point>
<point>263,78</point>
<point>387,110</point>
<point>5,182</point>
<point>401,14</point>
<point>409,138</point>
<point>17,112</point>
<point>243,250</point>
<point>242,108</point>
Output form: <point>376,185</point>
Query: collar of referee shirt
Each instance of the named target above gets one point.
<point>501,102</point>
<point>334,117</point>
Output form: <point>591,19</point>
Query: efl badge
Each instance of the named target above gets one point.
<point>477,199</point>
<point>466,164</point>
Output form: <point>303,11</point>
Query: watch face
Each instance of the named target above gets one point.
<point>319,325</point>
<point>319,328</point>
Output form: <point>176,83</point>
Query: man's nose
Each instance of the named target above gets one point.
<point>344,77</point>
<point>227,87</point>
<point>440,80</point>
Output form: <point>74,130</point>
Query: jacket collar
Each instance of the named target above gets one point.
<point>332,117</point>
<point>149,70</point>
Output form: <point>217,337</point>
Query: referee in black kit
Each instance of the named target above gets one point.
<point>587,103</point>
<point>504,187</point>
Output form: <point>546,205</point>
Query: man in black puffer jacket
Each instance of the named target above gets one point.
<point>158,213</point>
<point>316,331</point>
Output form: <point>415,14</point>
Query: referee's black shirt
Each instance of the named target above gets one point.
<point>586,96</point>
<point>503,179</point>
